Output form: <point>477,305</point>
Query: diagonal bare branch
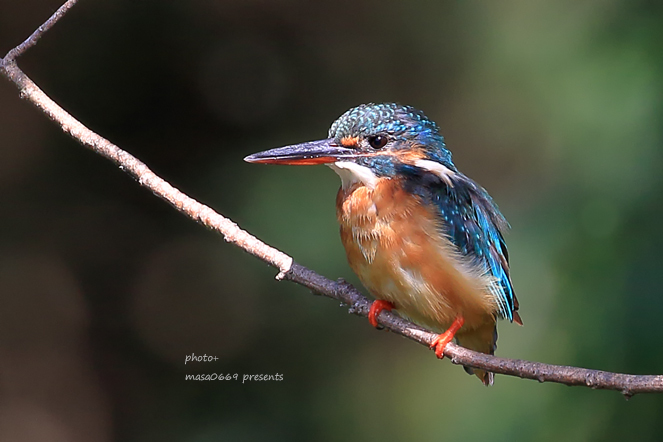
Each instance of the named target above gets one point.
<point>36,35</point>
<point>627,384</point>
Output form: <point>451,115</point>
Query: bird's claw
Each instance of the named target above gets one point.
<point>440,343</point>
<point>377,307</point>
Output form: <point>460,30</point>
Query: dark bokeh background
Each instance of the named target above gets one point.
<point>554,106</point>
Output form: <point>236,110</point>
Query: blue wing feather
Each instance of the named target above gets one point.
<point>473,223</point>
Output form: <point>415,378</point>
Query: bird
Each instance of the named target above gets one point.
<point>423,238</point>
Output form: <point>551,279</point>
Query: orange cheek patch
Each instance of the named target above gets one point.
<point>350,141</point>
<point>411,155</point>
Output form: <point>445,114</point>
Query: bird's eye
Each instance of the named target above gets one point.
<point>377,141</point>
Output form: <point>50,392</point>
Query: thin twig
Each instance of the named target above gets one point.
<point>137,169</point>
<point>627,384</point>
<point>32,39</point>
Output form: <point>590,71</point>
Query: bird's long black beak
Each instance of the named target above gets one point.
<point>305,154</point>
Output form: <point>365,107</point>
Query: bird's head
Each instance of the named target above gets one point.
<point>370,141</point>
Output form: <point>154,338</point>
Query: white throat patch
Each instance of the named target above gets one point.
<point>351,173</point>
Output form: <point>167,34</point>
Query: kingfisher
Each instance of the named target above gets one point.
<point>423,238</point>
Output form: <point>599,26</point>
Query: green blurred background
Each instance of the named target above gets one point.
<point>554,106</point>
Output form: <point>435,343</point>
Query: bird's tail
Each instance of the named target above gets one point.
<point>484,340</point>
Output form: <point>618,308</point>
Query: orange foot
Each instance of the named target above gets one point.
<point>442,340</point>
<point>377,306</point>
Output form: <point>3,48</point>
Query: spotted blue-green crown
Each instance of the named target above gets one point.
<point>402,123</point>
<point>391,118</point>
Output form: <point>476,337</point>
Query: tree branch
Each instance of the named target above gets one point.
<point>341,291</point>
<point>36,35</point>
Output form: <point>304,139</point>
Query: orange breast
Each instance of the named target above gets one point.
<point>395,245</point>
